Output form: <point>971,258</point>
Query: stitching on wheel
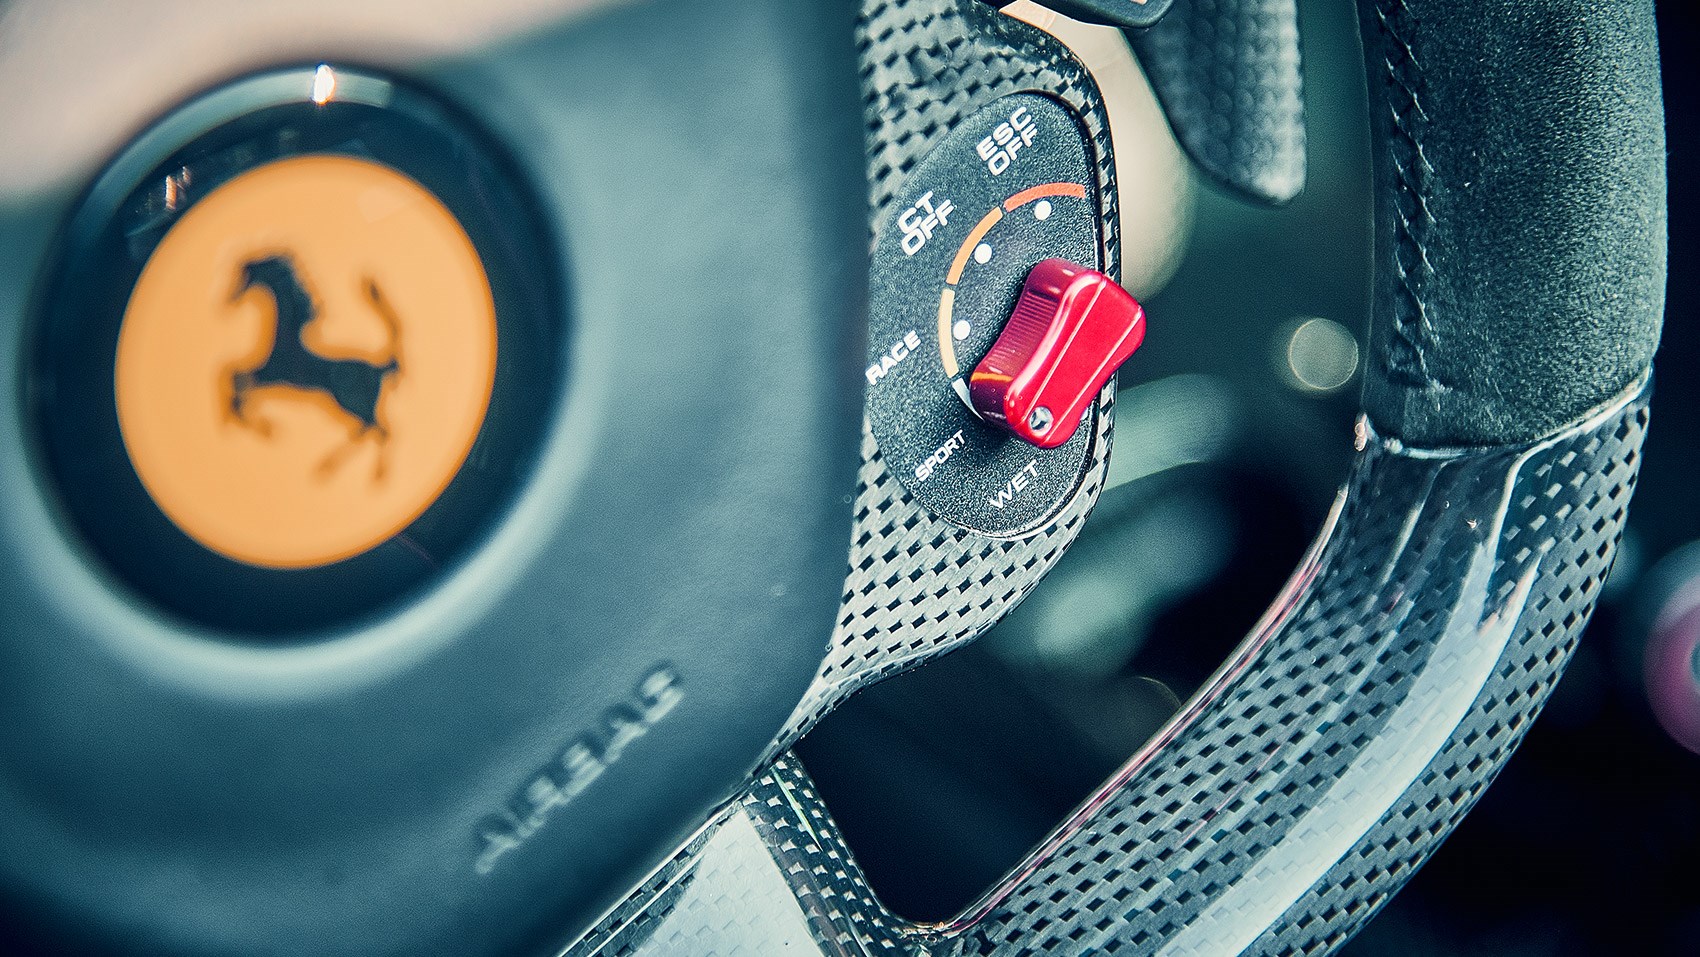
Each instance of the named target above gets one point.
<point>1413,329</point>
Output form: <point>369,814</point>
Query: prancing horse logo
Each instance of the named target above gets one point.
<point>306,361</point>
<point>354,384</point>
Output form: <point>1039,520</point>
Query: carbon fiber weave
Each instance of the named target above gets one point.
<point>1315,774</point>
<point>1227,74</point>
<point>772,874</point>
<point>1590,482</point>
<point>917,585</point>
<point>1333,688</point>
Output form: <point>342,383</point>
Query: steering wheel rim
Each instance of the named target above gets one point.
<point>1241,827</point>
<point>1490,506</point>
<point>1350,732</point>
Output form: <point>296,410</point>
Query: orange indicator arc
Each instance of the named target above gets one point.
<point>947,351</point>
<point>959,262</point>
<point>1043,191</point>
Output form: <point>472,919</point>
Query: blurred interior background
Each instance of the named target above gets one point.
<point>1233,431</point>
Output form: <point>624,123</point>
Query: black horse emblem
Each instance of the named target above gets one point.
<point>354,384</point>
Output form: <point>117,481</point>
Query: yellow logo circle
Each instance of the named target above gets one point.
<point>306,361</point>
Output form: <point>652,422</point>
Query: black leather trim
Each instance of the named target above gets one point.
<point>1520,213</point>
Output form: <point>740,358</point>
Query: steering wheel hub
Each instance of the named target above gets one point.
<point>291,366</point>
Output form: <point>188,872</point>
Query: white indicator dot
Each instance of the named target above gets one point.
<point>1042,210</point>
<point>983,253</point>
<point>961,329</point>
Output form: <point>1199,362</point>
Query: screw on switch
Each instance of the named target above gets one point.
<point>1070,330</point>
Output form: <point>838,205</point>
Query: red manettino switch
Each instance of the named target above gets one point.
<point>1070,331</point>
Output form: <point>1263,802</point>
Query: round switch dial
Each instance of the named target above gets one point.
<point>1009,188</point>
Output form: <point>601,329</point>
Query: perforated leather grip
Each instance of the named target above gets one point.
<point>1520,212</point>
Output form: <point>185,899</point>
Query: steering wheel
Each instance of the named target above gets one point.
<point>544,704</point>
